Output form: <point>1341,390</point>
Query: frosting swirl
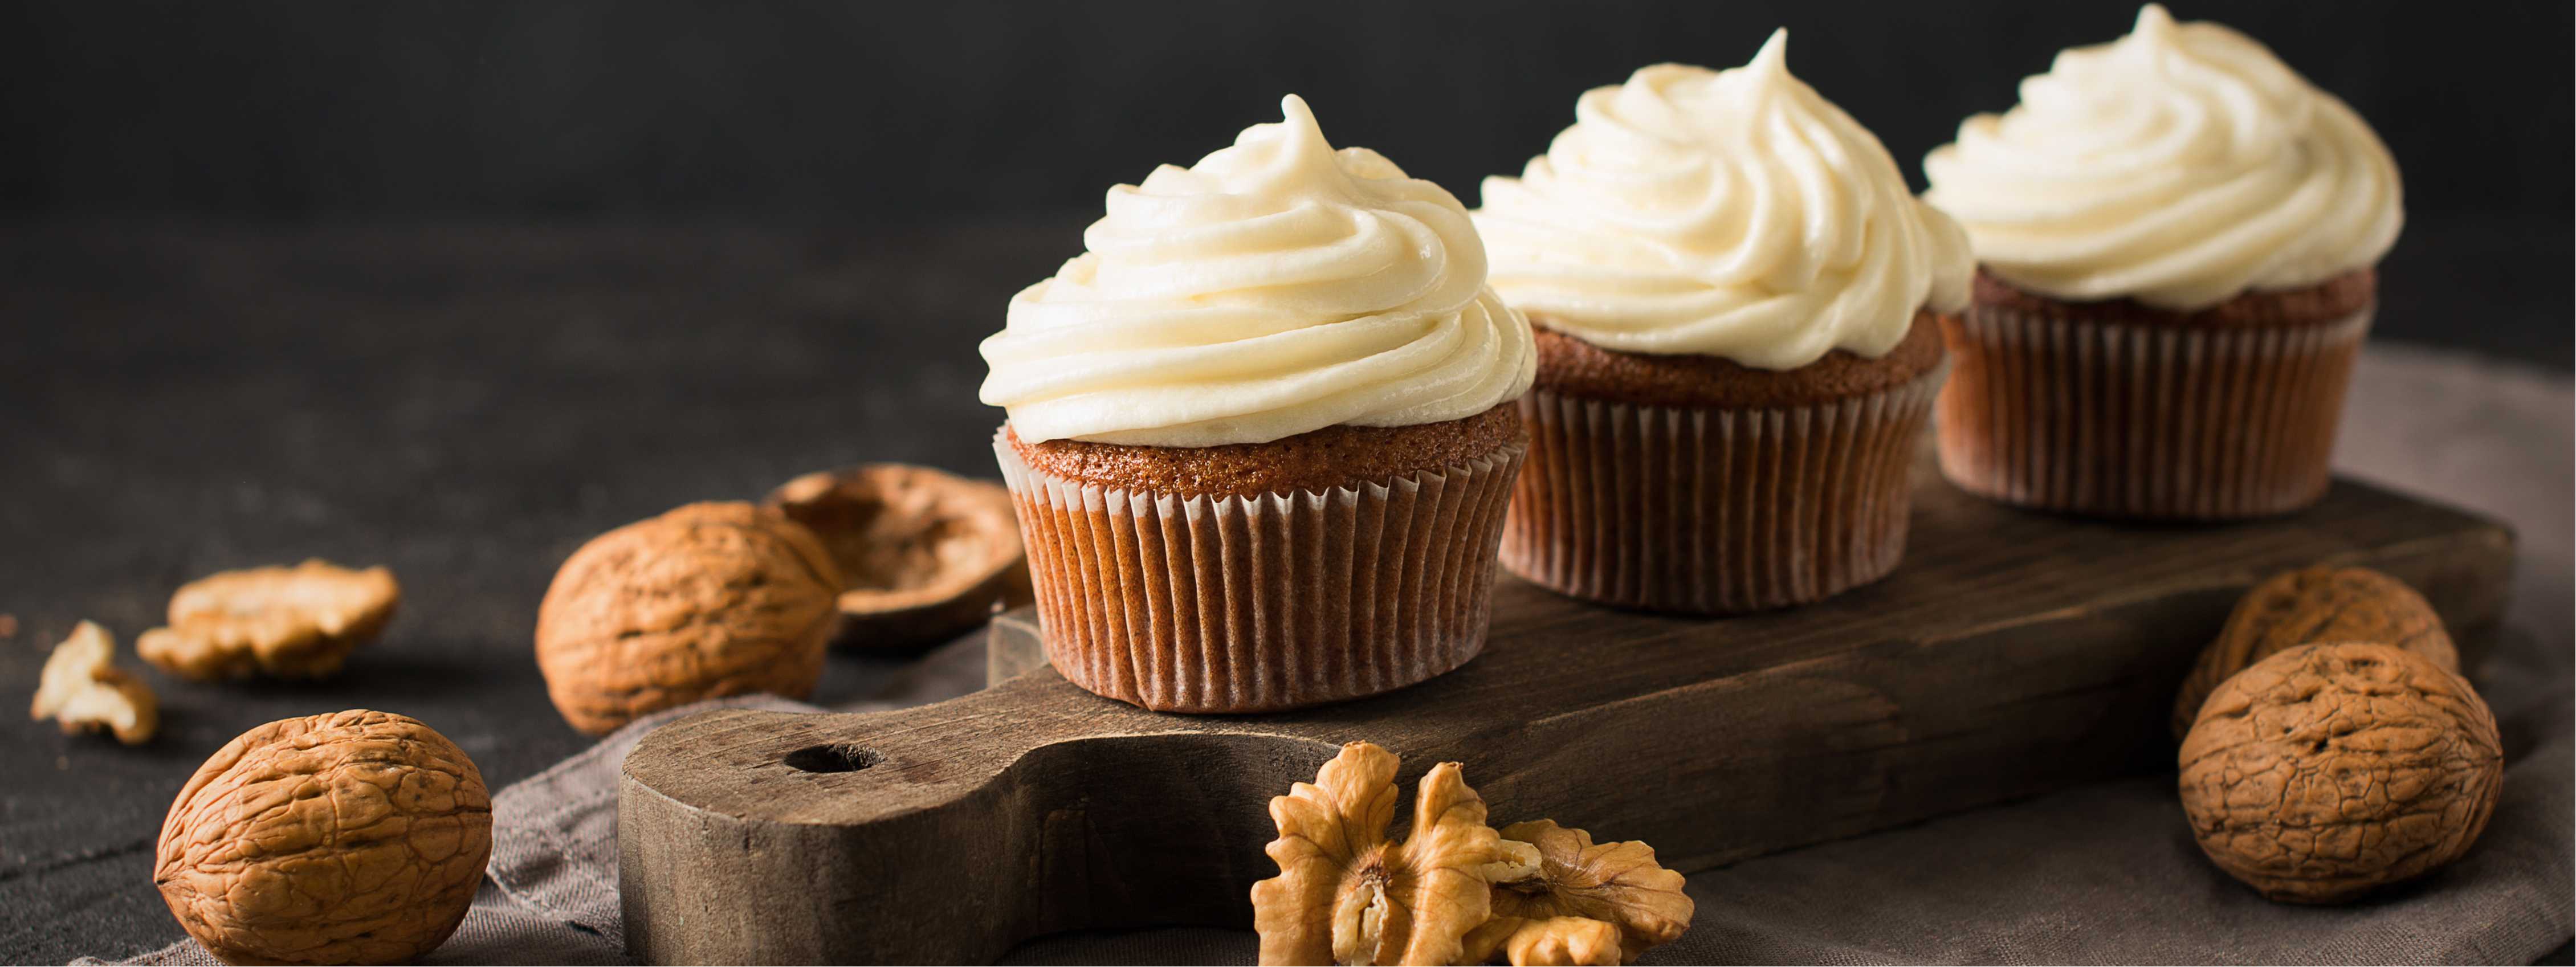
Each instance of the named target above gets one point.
<point>2180,166</point>
<point>1726,213</point>
<point>1278,286</point>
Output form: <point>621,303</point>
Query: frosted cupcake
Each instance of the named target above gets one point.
<point>2177,237</point>
<point>1261,432</point>
<point>1728,277</point>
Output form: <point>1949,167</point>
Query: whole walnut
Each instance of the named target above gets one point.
<point>352,837</point>
<point>2311,605</point>
<point>708,600</point>
<point>2327,770</point>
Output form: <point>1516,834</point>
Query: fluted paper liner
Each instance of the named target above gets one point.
<point>1253,604</point>
<point>1713,509</point>
<point>2117,419</point>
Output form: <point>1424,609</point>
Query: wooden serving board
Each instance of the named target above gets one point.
<point>2010,654</point>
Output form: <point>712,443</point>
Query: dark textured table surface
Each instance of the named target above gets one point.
<point>466,404</point>
<point>463,404</point>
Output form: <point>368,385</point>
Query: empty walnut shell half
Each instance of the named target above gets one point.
<point>356,837</point>
<point>2328,770</point>
<point>2311,605</point>
<point>924,555</point>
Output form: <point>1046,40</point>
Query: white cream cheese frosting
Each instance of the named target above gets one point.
<point>1730,213</point>
<point>2180,165</point>
<point>1276,287</point>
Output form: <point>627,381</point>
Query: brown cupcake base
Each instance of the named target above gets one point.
<point>1220,603</point>
<point>2105,409</point>
<point>1715,509</point>
<point>1573,367</point>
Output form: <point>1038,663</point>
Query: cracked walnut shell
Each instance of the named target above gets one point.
<point>707,600</point>
<point>2311,605</point>
<point>292,622</point>
<point>1345,894</point>
<point>924,555</point>
<point>2325,771</point>
<point>352,837</point>
<point>82,689</point>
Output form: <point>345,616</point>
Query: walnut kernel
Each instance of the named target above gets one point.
<point>293,622</point>
<point>1345,894</point>
<point>1618,883</point>
<point>82,689</point>
<point>352,837</point>
<point>2325,771</point>
<point>707,600</point>
<point>1552,942</point>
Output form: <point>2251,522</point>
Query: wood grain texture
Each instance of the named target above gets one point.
<point>2010,654</point>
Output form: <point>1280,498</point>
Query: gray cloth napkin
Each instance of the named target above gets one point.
<point>2104,873</point>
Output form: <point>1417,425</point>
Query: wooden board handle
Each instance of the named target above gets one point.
<point>944,837</point>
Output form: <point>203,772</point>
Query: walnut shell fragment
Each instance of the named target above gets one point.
<point>82,689</point>
<point>291,622</point>
<point>1617,883</point>
<point>924,555</point>
<point>2328,770</point>
<point>1345,894</point>
<point>707,600</point>
<point>2311,605</point>
<point>352,837</point>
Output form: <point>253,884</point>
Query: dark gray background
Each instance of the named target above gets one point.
<point>931,112</point>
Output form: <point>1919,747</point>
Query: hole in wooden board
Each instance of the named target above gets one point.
<point>836,757</point>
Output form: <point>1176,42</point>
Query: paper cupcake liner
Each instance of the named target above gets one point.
<point>1714,510</point>
<point>1254,604</point>
<point>2144,421</point>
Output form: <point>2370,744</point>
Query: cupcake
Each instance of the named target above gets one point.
<point>2176,237</point>
<point>1729,280</point>
<point>1260,433</point>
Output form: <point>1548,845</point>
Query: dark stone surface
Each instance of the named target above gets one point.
<point>467,403</point>
<point>464,404</point>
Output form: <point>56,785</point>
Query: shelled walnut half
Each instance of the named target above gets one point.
<point>924,555</point>
<point>292,622</point>
<point>1345,894</point>
<point>1572,878</point>
<point>1456,892</point>
<point>82,689</point>
<point>1552,942</point>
